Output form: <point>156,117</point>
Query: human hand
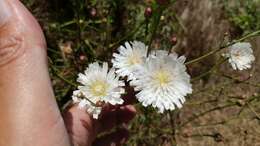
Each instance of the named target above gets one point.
<point>29,113</point>
<point>83,129</point>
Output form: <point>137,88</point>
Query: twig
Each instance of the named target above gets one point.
<point>61,77</point>
<point>222,47</point>
<point>252,109</point>
<point>244,106</point>
<point>214,87</point>
<point>230,119</point>
<point>240,81</point>
<point>205,112</point>
<point>180,23</point>
<point>214,68</point>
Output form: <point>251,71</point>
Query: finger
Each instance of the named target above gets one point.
<point>28,108</point>
<point>116,138</point>
<point>116,116</point>
<point>4,12</point>
<point>82,128</point>
<point>80,125</point>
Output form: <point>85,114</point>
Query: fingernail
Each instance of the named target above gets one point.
<point>4,11</point>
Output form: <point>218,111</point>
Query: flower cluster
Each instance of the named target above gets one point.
<point>160,78</point>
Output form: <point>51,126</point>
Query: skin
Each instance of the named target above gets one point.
<point>29,113</point>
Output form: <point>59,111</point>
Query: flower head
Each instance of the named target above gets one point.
<point>240,56</point>
<point>163,81</point>
<point>83,103</point>
<point>161,54</point>
<point>130,58</point>
<point>99,85</point>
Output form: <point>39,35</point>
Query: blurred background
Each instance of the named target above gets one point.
<point>224,108</point>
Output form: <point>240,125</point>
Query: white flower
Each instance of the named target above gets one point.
<point>162,54</point>
<point>130,58</point>
<point>75,96</point>
<point>85,104</point>
<point>240,56</point>
<point>100,85</point>
<point>163,81</point>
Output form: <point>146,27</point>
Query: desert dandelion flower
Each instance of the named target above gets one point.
<point>130,58</point>
<point>161,54</point>
<point>240,56</point>
<point>163,82</point>
<point>99,85</point>
<point>83,103</point>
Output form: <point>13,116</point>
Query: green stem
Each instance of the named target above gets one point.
<point>155,24</point>
<point>214,68</point>
<point>203,56</point>
<point>183,27</point>
<point>222,47</point>
<point>68,23</point>
<point>127,36</point>
<point>61,77</point>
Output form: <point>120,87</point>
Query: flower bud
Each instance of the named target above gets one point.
<point>93,12</point>
<point>174,40</point>
<point>82,57</point>
<point>148,12</point>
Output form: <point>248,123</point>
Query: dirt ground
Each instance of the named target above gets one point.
<point>227,114</point>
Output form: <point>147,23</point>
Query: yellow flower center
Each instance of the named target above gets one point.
<point>134,59</point>
<point>99,88</point>
<point>237,54</point>
<point>162,77</point>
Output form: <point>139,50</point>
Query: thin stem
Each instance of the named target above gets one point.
<point>155,24</point>
<point>173,117</point>
<point>171,122</point>
<point>127,36</point>
<point>78,9</point>
<point>222,47</point>
<point>203,56</point>
<point>196,116</point>
<point>68,23</point>
<point>252,109</point>
<point>53,51</point>
<point>214,68</point>
<point>180,23</point>
<point>84,97</point>
<point>146,26</point>
<point>240,81</point>
<point>61,77</point>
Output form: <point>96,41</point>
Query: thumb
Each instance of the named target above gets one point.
<point>28,111</point>
<point>4,12</point>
